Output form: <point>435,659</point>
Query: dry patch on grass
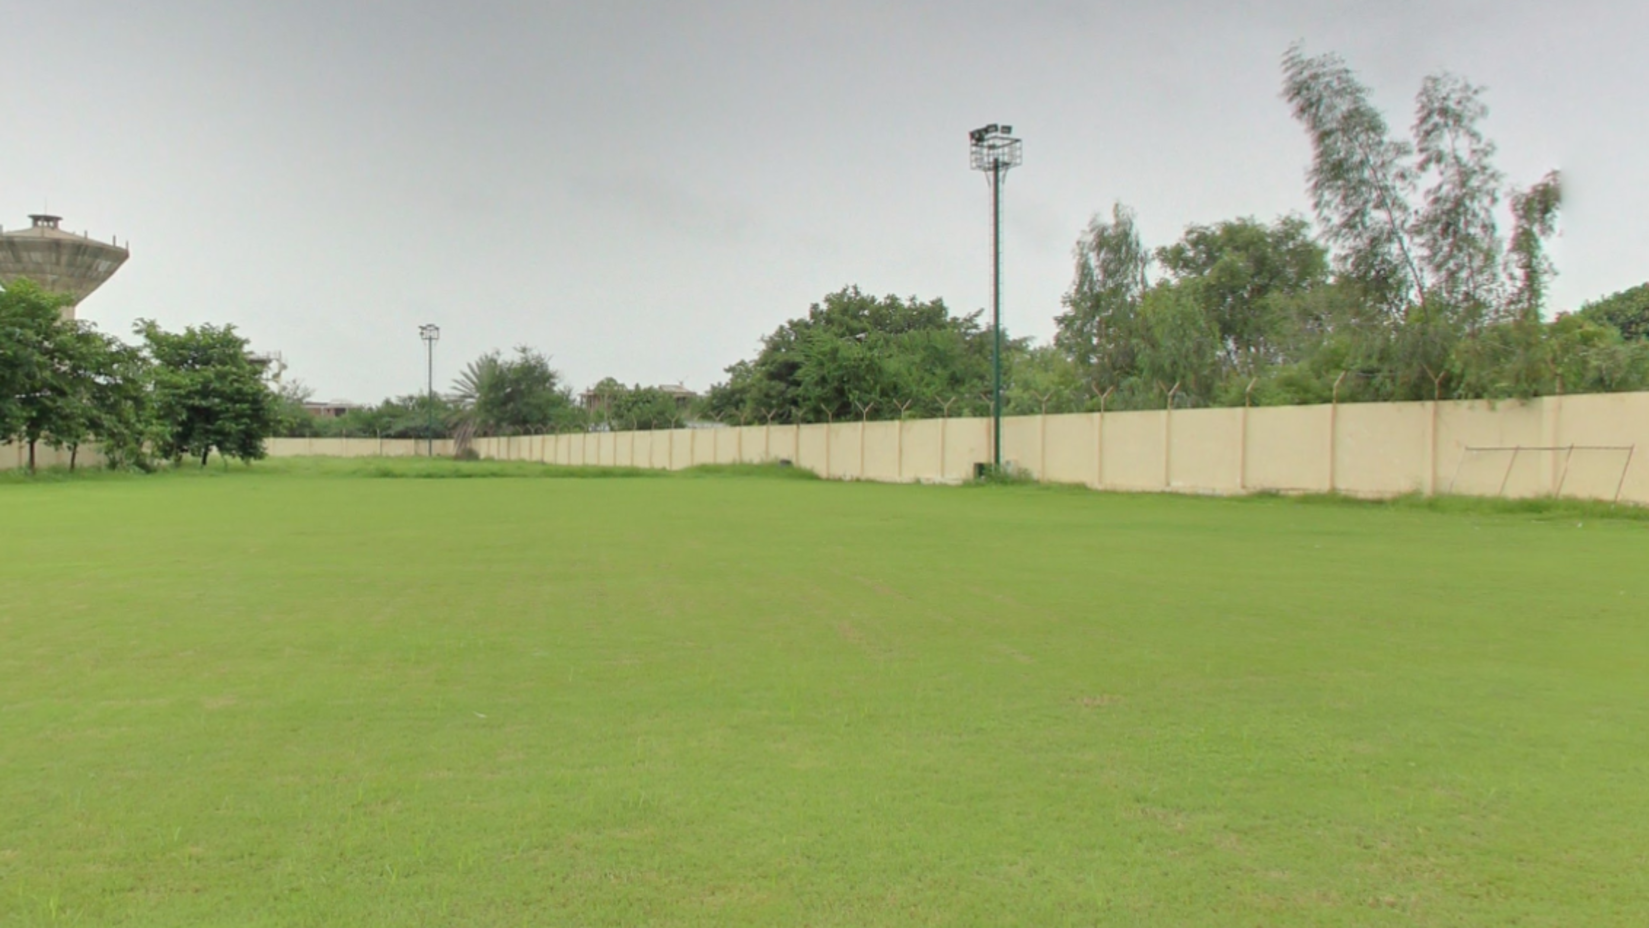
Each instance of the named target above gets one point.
<point>1102,701</point>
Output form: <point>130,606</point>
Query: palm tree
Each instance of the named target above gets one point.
<point>469,394</point>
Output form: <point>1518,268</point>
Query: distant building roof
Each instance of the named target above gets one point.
<point>331,409</point>
<point>670,389</point>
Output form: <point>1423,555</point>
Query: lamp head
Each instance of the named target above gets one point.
<point>994,148</point>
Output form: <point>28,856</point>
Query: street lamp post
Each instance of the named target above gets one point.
<point>430,334</point>
<point>994,150</point>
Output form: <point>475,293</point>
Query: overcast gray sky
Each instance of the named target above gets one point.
<point>643,189</point>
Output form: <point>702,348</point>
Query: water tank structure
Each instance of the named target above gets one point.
<point>59,261</point>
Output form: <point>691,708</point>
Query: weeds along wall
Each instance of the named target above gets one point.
<point>1590,447</point>
<point>1577,446</point>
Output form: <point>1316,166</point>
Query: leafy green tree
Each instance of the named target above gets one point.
<point>64,383</point>
<point>838,375</point>
<point>1244,271</point>
<point>1591,356</point>
<point>121,404</point>
<point>1222,309</point>
<point>102,394</point>
<point>209,393</point>
<point>37,346</point>
<point>1510,360</point>
<point>1043,378</point>
<point>293,419</point>
<point>621,407</point>
<point>516,395</point>
<point>855,354</point>
<point>647,408</point>
<point>1180,345</point>
<point>1627,312</point>
<point>406,416</point>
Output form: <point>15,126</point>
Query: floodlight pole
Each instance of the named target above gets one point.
<point>994,151</point>
<point>996,315</point>
<point>430,334</point>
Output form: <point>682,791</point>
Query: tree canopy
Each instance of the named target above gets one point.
<point>1412,290</point>
<point>857,355</point>
<point>209,393</point>
<point>40,352</point>
<point>1627,312</point>
<point>64,383</point>
<point>619,407</point>
<point>176,395</point>
<point>519,394</point>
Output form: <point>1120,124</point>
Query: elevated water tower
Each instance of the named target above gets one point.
<point>59,261</point>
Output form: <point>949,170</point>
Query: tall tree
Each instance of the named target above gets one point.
<point>1535,211</point>
<point>1444,252</point>
<point>1098,329</point>
<point>1360,178</point>
<point>1455,226</point>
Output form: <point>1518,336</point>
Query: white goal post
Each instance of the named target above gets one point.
<point>1568,451</point>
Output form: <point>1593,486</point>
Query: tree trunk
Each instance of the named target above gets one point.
<point>205,456</point>
<point>31,455</point>
<point>74,452</point>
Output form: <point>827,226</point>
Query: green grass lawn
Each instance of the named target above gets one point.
<point>302,696</point>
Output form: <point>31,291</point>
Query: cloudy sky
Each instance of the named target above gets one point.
<point>642,189</point>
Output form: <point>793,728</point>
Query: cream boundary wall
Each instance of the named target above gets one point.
<point>1366,449</point>
<point>1371,449</point>
<point>16,457</point>
<point>353,447</point>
